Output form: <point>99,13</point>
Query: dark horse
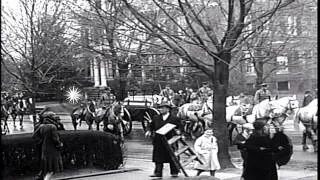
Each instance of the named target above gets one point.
<point>83,113</point>
<point>4,119</point>
<point>18,109</point>
<point>116,119</point>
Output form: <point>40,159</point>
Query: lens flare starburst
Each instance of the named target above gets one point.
<point>73,95</point>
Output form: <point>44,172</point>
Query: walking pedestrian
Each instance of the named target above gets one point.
<point>47,136</point>
<point>160,154</point>
<point>206,148</point>
<point>240,140</point>
<point>260,162</point>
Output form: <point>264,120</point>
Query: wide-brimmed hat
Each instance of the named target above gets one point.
<point>205,83</point>
<point>264,85</point>
<point>208,132</point>
<point>258,125</point>
<point>165,104</point>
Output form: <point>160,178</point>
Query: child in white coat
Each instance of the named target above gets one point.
<point>206,148</point>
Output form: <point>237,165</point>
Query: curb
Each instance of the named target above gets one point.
<point>100,173</point>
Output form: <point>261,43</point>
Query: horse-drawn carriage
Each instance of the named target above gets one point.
<point>142,108</point>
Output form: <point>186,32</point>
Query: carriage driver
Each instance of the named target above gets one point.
<point>204,92</point>
<point>167,93</point>
<point>262,94</point>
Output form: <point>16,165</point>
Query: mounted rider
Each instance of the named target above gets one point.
<point>204,92</point>
<point>107,97</point>
<point>262,94</point>
<point>167,93</point>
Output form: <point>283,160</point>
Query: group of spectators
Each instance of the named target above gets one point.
<point>187,95</point>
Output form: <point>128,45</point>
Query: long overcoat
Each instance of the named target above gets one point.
<point>48,138</point>
<point>260,163</point>
<point>207,150</point>
<point>160,153</point>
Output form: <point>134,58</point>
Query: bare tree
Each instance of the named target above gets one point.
<point>214,29</point>
<point>34,44</point>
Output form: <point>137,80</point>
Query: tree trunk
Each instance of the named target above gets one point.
<point>123,73</point>
<point>259,71</point>
<point>220,81</point>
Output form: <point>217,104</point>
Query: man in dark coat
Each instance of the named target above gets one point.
<point>160,153</point>
<point>307,98</point>
<point>240,140</point>
<point>260,161</point>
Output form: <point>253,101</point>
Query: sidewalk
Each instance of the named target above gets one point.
<point>140,169</point>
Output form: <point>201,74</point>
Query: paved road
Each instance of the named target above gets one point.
<point>138,150</point>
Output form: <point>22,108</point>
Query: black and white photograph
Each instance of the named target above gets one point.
<point>159,89</point>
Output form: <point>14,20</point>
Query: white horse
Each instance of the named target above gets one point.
<point>274,112</point>
<point>309,118</point>
<point>197,115</point>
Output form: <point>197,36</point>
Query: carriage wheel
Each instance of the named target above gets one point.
<point>126,122</point>
<point>147,115</point>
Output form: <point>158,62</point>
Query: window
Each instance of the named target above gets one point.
<point>250,85</point>
<point>249,67</point>
<point>283,86</point>
<point>292,25</point>
<point>282,63</point>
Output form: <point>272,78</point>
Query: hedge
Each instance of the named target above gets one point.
<point>83,148</point>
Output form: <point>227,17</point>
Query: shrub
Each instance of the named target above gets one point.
<point>83,148</point>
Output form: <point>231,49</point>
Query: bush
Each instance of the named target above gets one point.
<point>83,148</point>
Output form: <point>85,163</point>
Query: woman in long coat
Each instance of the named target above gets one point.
<point>206,148</point>
<point>48,138</point>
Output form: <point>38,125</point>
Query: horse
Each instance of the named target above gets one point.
<point>4,119</point>
<point>195,116</point>
<point>83,113</point>
<point>116,119</point>
<point>309,118</point>
<point>273,112</point>
<point>17,110</point>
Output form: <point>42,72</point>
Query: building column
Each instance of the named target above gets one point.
<point>130,70</point>
<point>181,68</point>
<point>103,73</point>
<point>143,74</point>
<point>96,72</point>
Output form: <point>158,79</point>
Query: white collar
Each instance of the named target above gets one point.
<point>165,116</point>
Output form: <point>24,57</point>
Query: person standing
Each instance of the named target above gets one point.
<point>260,162</point>
<point>167,93</point>
<point>46,134</point>
<point>160,154</point>
<point>262,94</point>
<point>204,92</point>
<point>206,148</point>
<point>240,140</point>
<point>307,98</point>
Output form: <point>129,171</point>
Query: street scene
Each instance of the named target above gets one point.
<point>181,89</point>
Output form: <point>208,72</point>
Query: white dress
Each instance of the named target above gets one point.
<point>207,151</point>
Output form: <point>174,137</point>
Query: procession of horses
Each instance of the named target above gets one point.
<point>196,115</point>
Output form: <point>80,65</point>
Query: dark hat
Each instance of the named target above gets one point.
<point>307,92</point>
<point>258,125</point>
<point>164,104</point>
<point>263,84</point>
<point>205,82</point>
<point>51,115</point>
